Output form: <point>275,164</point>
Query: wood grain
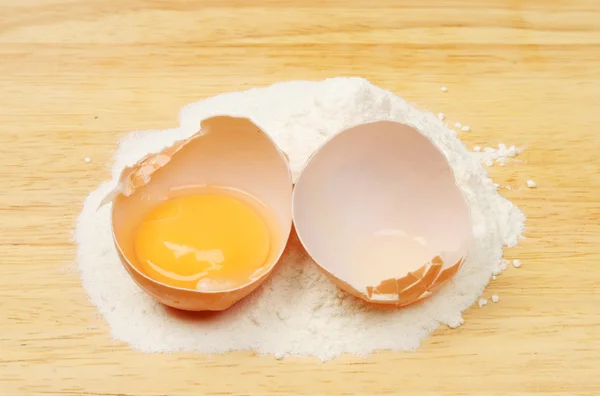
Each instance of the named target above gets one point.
<point>77,75</point>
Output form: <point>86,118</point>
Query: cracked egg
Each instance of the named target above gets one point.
<point>377,208</point>
<point>202,223</point>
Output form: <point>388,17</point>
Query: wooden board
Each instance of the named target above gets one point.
<point>77,75</point>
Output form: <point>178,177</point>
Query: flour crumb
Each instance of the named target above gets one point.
<point>441,116</point>
<point>477,148</point>
<point>297,311</point>
<point>444,89</point>
<point>494,277</point>
<point>516,263</point>
<point>482,302</point>
<point>87,159</point>
<point>466,128</point>
<point>531,184</point>
<point>455,322</point>
<point>495,298</point>
<point>458,125</point>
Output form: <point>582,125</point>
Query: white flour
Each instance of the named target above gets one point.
<point>298,311</point>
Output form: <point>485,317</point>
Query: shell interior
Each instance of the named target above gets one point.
<point>377,207</point>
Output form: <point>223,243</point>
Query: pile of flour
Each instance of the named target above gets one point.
<point>297,311</point>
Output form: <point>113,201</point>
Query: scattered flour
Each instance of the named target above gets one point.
<point>500,154</point>
<point>297,311</point>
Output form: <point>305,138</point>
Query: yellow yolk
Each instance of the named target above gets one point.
<point>214,241</point>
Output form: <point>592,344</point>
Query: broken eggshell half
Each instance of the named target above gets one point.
<point>229,152</point>
<point>377,208</point>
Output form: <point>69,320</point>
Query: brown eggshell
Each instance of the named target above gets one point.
<point>382,181</point>
<point>227,151</point>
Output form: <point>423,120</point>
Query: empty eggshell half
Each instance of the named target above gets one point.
<point>378,209</point>
<point>227,151</point>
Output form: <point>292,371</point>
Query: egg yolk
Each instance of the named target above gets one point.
<point>213,241</point>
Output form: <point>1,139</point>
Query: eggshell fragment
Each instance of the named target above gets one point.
<point>227,151</point>
<point>378,209</point>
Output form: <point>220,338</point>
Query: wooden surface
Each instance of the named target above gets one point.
<point>77,75</point>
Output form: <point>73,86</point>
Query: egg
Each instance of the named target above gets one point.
<point>202,223</point>
<point>378,209</point>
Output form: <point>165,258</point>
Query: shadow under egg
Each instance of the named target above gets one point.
<point>194,316</point>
